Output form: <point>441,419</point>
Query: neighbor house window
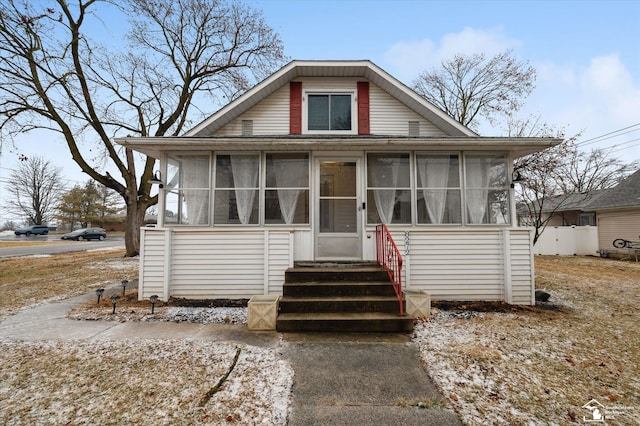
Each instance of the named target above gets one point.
<point>388,188</point>
<point>187,190</point>
<point>438,189</point>
<point>287,188</point>
<point>586,219</point>
<point>487,189</point>
<point>329,112</point>
<point>236,189</point>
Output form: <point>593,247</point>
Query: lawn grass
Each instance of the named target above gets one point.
<point>541,365</point>
<point>26,281</point>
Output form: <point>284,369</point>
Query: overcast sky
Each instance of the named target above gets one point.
<point>586,54</point>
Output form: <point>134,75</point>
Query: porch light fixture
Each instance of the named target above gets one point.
<point>124,286</point>
<point>516,177</point>
<point>99,292</point>
<point>153,299</point>
<point>156,179</point>
<point>114,300</point>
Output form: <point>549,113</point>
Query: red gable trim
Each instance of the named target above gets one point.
<point>295,108</point>
<point>363,108</point>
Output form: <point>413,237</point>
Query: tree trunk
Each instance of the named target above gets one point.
<point>132,231</point>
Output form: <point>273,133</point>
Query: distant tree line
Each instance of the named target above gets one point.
<point>38,197</point>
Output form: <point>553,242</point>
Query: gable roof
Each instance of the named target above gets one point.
<point>339,68</point>
<point>625,194</point>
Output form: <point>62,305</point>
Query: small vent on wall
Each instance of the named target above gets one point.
<point>247,127</point>
<point>414,128</point>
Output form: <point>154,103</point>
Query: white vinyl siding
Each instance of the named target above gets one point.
<point>390,117</point>
<point>450,265</point>
<point>387,115</point>
<point>522,268</point>
<point>458,266</point>
<point>617,224</point>
<point>470,265</point>
<point>216,264</point>
<point>152,271</point>
<point>270,117</point>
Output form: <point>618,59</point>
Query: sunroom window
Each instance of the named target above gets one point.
<point>329,112</point>
<point>187,190</point>
<point>487,189</point>
<point>287,189</point>
<point>236,189</point>
<point>438,189</point>
<point>388,188</point>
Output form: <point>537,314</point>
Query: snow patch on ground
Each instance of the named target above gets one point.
<point>135,381</point>
<point>236,316</point>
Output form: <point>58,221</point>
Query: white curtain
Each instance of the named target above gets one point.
<point>289,173</point>
<point>434,173</point>
<point>385,175</point>
<point>245,170</point>
<point>477,193</point>
<point>195,174</point>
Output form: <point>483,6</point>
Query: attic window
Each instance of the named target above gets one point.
<point>329,113</point>
<point>247,127</point>
<point>414,128</point>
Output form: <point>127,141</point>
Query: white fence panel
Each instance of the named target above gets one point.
<point>568,241</point>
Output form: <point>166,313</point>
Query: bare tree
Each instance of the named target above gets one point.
<point>34,188</point>
<point>588,171</point>
<point>561,176</point>
<point>538,196</point>
<point>54,76</point>
<point>467,87</point>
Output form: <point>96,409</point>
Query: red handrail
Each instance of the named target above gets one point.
<point>388,256</point>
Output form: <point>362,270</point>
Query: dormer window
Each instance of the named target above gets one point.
<point>330,113</point>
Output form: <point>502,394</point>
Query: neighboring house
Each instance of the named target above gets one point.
<point>618,212</point>
<point>566,210</point>
<point>615,211</point>
<point>303,167</point>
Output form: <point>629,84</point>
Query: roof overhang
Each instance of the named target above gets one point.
<point>518,147</point>
<point>364,69</point>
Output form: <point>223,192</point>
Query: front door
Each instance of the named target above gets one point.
<point>338,220</point>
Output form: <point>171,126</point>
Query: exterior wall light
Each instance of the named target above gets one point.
<point>156,179</point>
<point>516,177</point>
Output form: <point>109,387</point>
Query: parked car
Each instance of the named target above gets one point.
<point>86,234</point>
<point>33,230</point>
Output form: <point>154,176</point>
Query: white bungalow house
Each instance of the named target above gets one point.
<point>303,167</point>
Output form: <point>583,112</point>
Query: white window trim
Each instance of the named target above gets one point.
<point>164,192</point>
<point>305,112</point>
<point>506,188</point>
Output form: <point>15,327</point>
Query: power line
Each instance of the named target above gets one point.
<point>610,135</point>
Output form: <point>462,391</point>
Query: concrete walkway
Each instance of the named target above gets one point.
<point>339,379</point>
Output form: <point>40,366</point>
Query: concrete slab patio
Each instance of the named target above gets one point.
<point>339,379</point>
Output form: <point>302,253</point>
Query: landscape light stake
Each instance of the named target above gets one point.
<point>124,286</point>
<point>114,300</point>
<point>153,300</point>
<point>99,292</point>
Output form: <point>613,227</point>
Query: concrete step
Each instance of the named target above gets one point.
<point>337,288</point>
<point>335,274</point>
<point>387,304</point>
<point>368,322</point>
